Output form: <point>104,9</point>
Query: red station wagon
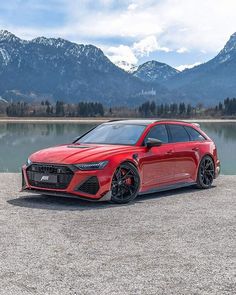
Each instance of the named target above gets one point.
<point>118,160</point>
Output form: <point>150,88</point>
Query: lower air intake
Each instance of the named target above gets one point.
<point>90,186</point>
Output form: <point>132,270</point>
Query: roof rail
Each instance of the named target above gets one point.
<point>115,120</point>
<point>173,120</point>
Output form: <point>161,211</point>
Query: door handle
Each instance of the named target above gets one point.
<point>169,152</point>
<point>196,149</point>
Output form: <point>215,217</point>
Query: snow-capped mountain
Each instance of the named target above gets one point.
<point>228,52</point>
<point>58,69</point>
<point>126,66</point>
<point>209,82</point>
<point>8,36</point>
<point>154,71</point>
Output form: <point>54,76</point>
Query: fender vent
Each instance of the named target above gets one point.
<point>90,186</point>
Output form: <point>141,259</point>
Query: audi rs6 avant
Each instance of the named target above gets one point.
<point>118,160</point>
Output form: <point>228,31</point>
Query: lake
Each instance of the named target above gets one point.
<point>18,140</point>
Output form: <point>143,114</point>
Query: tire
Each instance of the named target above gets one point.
<point>206,173</point>
<point>125,184</point>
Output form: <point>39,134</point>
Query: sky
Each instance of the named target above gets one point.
<point>181,33</point>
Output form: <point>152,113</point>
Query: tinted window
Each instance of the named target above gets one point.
<point>194,134</point>
<point>114,134</point>
<point>158,132</point>
<point>178,133</point>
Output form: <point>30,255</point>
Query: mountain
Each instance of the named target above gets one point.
<point>56,69</point>
<point>154,71</point>
<point>209,82</point>
<point>126,66</point>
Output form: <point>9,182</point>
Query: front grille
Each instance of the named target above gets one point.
<point>62,176</point>
<point>90,186</point>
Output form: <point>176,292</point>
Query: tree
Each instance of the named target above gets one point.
<point>189,110</point>
<point>220,107</point>
<point>88,109</point>
<point>182,108</point>
<point>60,112</point>
<point>166,108</point>
<point>153,108</point>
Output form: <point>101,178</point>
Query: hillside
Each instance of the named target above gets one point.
<point>58,69</point>
<point>209,82</point>
<point>154,71</point>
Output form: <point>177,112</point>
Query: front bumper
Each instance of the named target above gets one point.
<point>79,184</point>
<point>106,197</point>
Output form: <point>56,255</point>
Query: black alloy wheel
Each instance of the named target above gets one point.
<point>125,184</point>
<point>206,173</point>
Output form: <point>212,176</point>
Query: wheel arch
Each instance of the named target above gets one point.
<point>209,155</point>
<point>130,162</point>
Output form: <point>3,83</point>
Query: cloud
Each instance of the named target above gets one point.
<point>126,56</point>
<point>123,19</point>
<point>147,45</point>
<point>182,50</point>
<point>144,26</point>
<point>175,23</point>
<point>183,67</point>
<point>132,6</point>
<point>201,25</point>
<point>122,56</point>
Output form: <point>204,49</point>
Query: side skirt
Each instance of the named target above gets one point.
<point>167,188</point>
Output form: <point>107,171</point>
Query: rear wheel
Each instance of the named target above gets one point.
<point>206,173</point>
<point>125,184</point>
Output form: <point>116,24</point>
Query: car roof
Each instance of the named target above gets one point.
<point>137,121</point>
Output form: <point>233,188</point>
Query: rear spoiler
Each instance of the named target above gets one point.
<point>197,125</point>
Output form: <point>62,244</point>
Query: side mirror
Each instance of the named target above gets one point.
<point>151,142</point>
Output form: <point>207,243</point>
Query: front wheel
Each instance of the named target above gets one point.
<point>206,173</point>
<point>125,184</point>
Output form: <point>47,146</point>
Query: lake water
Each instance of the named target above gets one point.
<point>18,140</point>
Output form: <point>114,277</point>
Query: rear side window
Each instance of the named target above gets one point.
<point>158,132</point>
<point>194,134</point>
<point>178,133</point>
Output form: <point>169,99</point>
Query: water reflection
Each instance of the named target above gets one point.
<point>224,135</point>
<point>226,131</point>
<point>18,140</point>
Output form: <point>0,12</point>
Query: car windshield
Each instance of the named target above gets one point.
<point>126,134</point>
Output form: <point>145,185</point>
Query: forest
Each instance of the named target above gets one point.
<point>227,108</point>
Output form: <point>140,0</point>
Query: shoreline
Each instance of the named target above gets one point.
<point>96,120</point>
<point>53,120</point>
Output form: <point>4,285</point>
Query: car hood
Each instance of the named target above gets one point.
<point>78,153</point>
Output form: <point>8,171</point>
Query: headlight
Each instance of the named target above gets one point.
<point>28,162</point>
<point>92,165</point>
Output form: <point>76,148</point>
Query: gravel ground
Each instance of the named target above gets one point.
<point>178,242</point>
